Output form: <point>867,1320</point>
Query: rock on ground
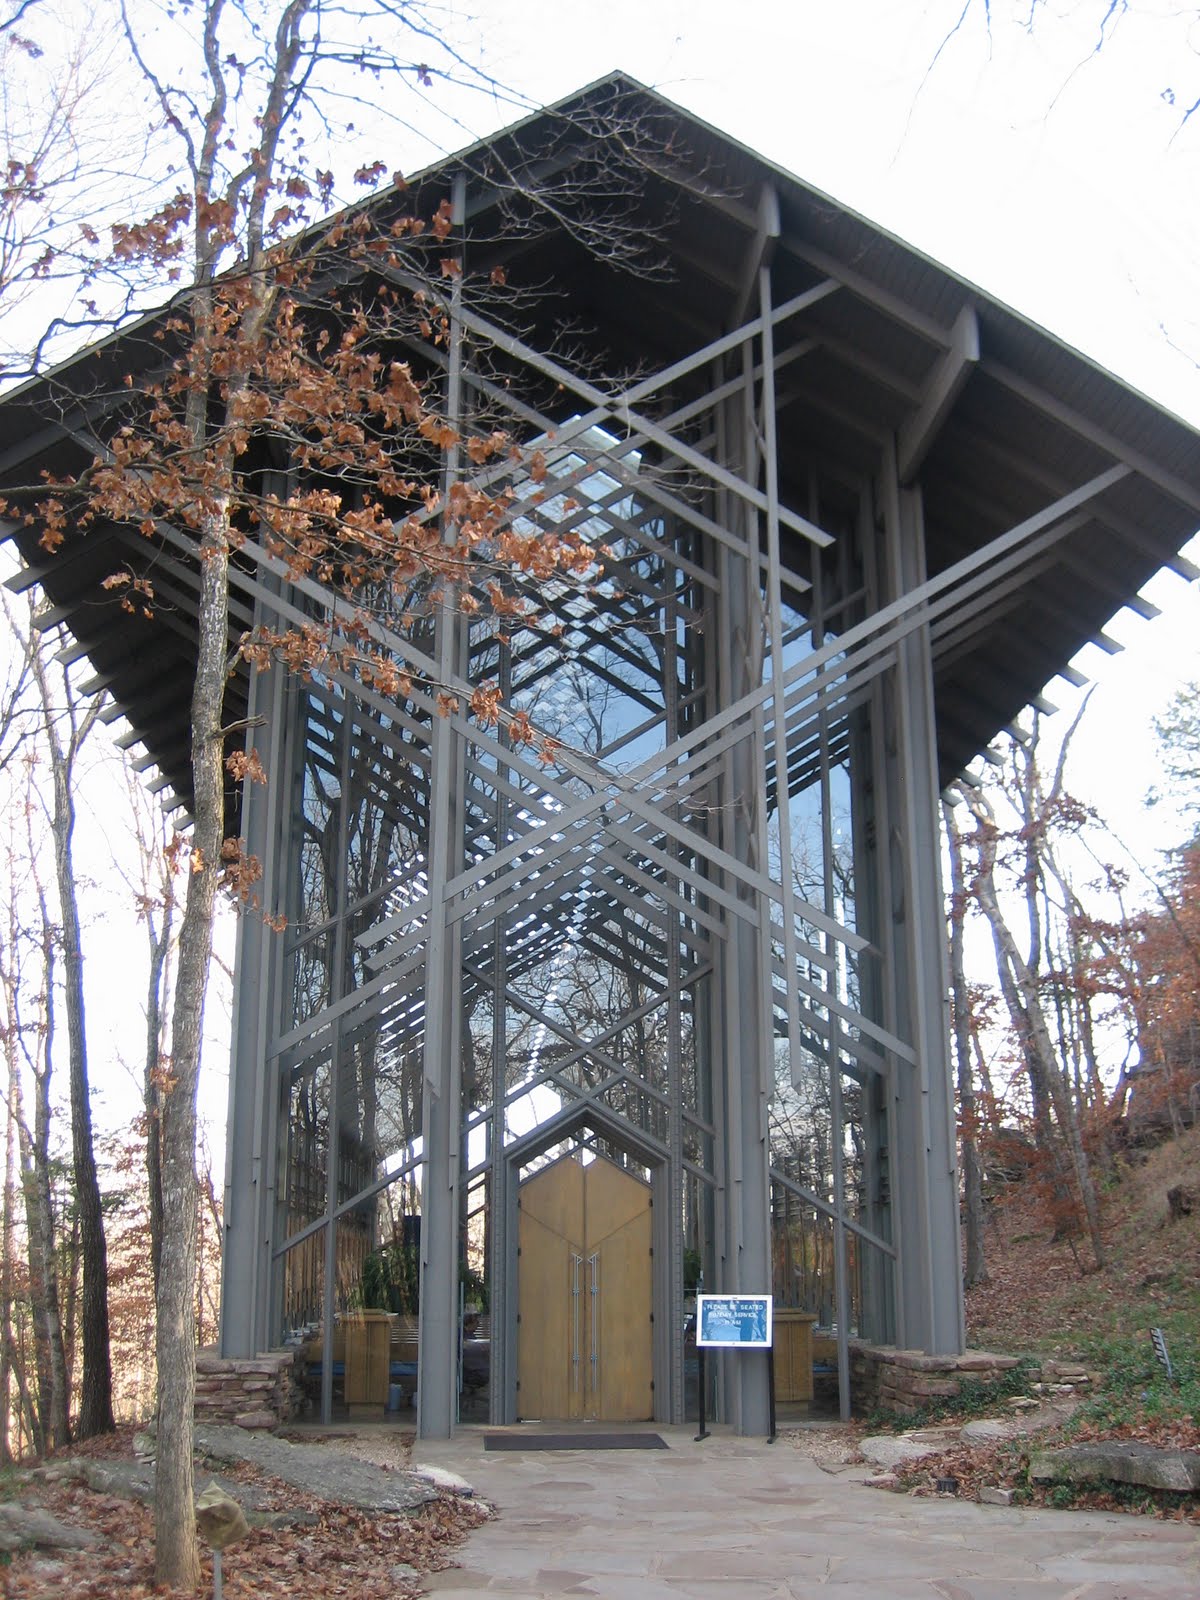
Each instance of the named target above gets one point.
<point>441,1478</point>
<point>134,1480</point>
<point>331,1474</point>
<point>884,1480</point>
<point>1119,1462</point>
<point>986,1430</point>
<point>993,1495</point>
<point>889,1450</point>
<point>24,1526</point>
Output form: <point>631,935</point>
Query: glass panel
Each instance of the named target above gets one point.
<point>379,1263</point>
<point>380,1096</point>
<point>303,1281</point>
<point>313,895</point>
<point>387,818</point>
<point>474,1291</point>
<point>309,964</point>
<point>307,1144</point>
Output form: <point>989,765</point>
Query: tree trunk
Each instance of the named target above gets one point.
<point>160,944</point>
<point>16,1111</point>
<point>975,1266</point>
<point>95,1401</point>
<point>1020,988</point>
<point>17,1367</point>
<point>177,1559</point>
<point>8,1246</point>
<point>54,1387</point>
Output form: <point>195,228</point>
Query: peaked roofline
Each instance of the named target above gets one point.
<point>1006,427</point>
<point>622,82</point>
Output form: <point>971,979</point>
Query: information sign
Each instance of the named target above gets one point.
<point>740,1321</point>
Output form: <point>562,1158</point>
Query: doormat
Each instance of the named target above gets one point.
<point>573,1441</point>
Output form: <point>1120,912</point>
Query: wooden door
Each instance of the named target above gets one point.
<point>585,1349</point>
<point>548,1348</point>
<point>618,1277</point>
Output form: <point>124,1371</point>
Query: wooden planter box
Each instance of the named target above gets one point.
<point>793,1356</point>
<point>367,1342</point>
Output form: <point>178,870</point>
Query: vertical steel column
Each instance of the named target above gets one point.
<point>930,1286</point>
<point>791,954</point>
<point>724,1110</point>
<point>333,1148</point>
<point>837,1117</point>
<point>747,1033</point>
<point>871,891</point>
<point>249,1169</point>
<point>437,1372</point>
<point>674,1177</point>
<point>292,735</point>
<point>708,1060</point>
<point>502,1291</point>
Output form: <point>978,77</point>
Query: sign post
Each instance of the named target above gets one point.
<point>703,1434</point>
<point>736,1322</point>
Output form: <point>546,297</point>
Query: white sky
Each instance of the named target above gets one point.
<point>1069,194</point>
<point>1059,181</point>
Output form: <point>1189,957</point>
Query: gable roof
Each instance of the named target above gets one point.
<point>993,418</point>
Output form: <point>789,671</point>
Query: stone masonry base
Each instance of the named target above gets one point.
<point>259,1393</point>
<point>265,1392</point>
<point>905,1382</point>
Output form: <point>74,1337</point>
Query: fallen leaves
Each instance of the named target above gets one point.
<point>1006,1465</point>
<point>330,1553</point>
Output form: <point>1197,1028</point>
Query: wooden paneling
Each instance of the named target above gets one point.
<point>549,1387</point>
<point>612,1199</point>
<point>555,1197</point>
<point>367,1337</point>
<point>620,1263</point>
<point>792,1334</point>
<point>585,1345</point>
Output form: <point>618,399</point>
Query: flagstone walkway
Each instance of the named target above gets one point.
<point>737,1519</point>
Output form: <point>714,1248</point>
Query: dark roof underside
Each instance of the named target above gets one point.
<point>1031,421</point>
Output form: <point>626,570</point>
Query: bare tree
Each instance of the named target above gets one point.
<point>8,1251</point>
<point>1040,807</point>
<point>1084,36</point>
<point>975,1266</point>
<point>27,984</point>
<point>66,724</point>
<point>156,894</point>
<point>234,106</point>
<point>71,148</point>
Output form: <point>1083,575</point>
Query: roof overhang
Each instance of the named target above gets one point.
<point>991,419</point>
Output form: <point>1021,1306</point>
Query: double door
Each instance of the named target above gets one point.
<point>585,1346</point>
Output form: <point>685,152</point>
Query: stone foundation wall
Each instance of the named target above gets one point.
<point>262,1393</point>
<point>904,1382</point>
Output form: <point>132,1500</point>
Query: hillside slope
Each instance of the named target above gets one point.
<point>1038,1299</point>
<point>1039,1302</point>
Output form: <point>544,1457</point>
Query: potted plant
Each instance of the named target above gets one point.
<point>391,1279</point>
<point>475,1290</point>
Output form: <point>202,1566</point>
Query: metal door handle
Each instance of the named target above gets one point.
<point>576,1263</point>
<point>594,1265</point>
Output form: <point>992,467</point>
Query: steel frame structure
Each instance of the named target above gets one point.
<point>652,857</point>
<point>708,940</point>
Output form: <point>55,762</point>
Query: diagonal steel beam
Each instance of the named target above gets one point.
<point>918,432</point>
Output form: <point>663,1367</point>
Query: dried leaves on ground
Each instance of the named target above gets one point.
<point>832,1446</point>
<point>1005,1465</point>
<point>1037,1296</point>
<point>324,1552</point>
